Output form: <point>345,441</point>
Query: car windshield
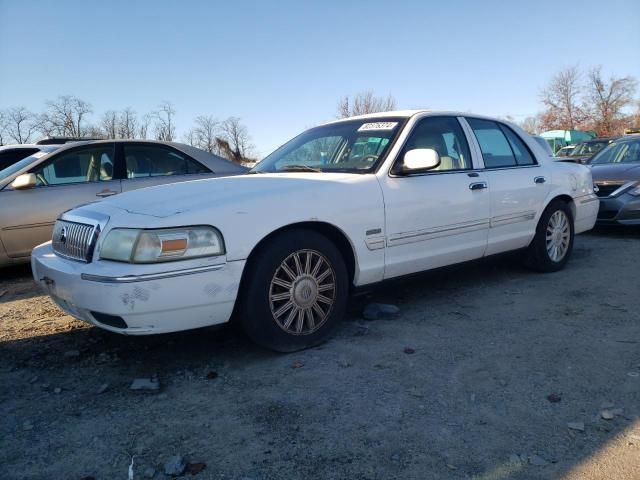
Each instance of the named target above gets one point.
<point>588,148</point>
<point>619,152</point>
<point>16,167</point>
<point>564,151</point>
<point>352,146</point>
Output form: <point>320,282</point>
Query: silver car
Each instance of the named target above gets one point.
<point>35,190</point>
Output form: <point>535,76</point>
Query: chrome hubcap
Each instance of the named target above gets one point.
<point>558,235</point>
<point>302,292</point>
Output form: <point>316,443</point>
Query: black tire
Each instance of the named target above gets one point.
<point>258,313</point>
<point>537,256</point>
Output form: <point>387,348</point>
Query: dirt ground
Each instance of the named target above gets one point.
<point>478,377</point>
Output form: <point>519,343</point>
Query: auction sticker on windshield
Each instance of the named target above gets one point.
<point>378,126</point>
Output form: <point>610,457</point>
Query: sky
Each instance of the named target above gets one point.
<point>282,66</point>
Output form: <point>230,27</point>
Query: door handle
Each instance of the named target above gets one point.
<point>105,193</point>
<point>477,186</point>
<point>539,180</point>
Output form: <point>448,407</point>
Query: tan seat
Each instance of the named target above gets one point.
<point>436,142</point>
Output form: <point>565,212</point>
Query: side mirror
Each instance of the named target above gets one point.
<point>420,159</point>
<point>24,181</point>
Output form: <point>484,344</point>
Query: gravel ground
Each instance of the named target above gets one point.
<point>478,377</point>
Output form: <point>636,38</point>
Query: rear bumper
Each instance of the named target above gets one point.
<point>586,213</point>
<point>127,299</point>
<point>620,210</point>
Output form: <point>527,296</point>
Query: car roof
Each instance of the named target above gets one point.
<point>30,146</point>
<point>626,138</point>
<point>213,161</point>
<point>411,113</point>
<point>599,139</point>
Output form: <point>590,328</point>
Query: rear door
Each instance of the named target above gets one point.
<point>518,185</point>
<point>66,180</point>
<point>148,164</point>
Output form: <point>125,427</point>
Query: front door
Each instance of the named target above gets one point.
<point>437,217</point>
<point>72,178</point>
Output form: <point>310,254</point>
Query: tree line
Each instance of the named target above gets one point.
<point>576,99</point>
<point>69,116</point>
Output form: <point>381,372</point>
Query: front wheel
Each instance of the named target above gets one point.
<point>552,245</point>
<point>296,291</point>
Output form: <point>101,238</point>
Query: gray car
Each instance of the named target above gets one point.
<point>35,190</point>
<point>616,173</point>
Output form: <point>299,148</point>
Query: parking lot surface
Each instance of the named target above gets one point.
<point>489,372</point>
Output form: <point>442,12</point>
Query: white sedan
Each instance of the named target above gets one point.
<point>343,205</point>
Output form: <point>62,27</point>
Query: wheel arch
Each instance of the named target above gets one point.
<point>568,199</point>
<point>333,233</point>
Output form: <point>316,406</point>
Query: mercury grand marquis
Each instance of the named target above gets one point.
<point>343,205</point>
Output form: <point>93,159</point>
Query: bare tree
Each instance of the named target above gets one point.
<point>3,127</point>
<point>531,124</point>
<point>607,100</point>
<point>143,127</point>
<point>127,123</point>
<point>93,131</point>
<point>163,122</point>
<point>109,123</point>
<point>561,99</point>
<point>364,102</point>
<point>635,119</point>
<point>234,141</point>
<point>21,124</point>
<point>189,137</point>
<point>65,116</point>
<point>206,132</point>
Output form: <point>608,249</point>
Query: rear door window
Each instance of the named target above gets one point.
<point>156,160</point>
<point>520,150</point>
<point>496,150</point>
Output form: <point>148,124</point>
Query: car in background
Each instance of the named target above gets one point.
<point>341,206</point>
<point>565,151</point>
<point>63,140</point>
<point>584,151</point>
<point>37,189</point>
<point>10,154</point>
<point>616,173</point>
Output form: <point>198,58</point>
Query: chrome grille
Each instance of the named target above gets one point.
<point>73,240</point>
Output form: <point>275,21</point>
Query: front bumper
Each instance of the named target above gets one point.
<point>148,299</point>
<point>623,209</point>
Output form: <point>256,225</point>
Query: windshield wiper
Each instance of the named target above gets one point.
<point>299,168</point>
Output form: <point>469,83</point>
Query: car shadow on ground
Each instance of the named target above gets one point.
<point>16,283</point>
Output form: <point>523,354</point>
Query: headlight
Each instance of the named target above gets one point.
<point>151,246</point>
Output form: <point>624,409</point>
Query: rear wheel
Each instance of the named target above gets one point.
<point>296,291</point>
<point>552,245</point>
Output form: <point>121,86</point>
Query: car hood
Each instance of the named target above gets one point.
<point>233,192</point>
<point>622,172</point>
